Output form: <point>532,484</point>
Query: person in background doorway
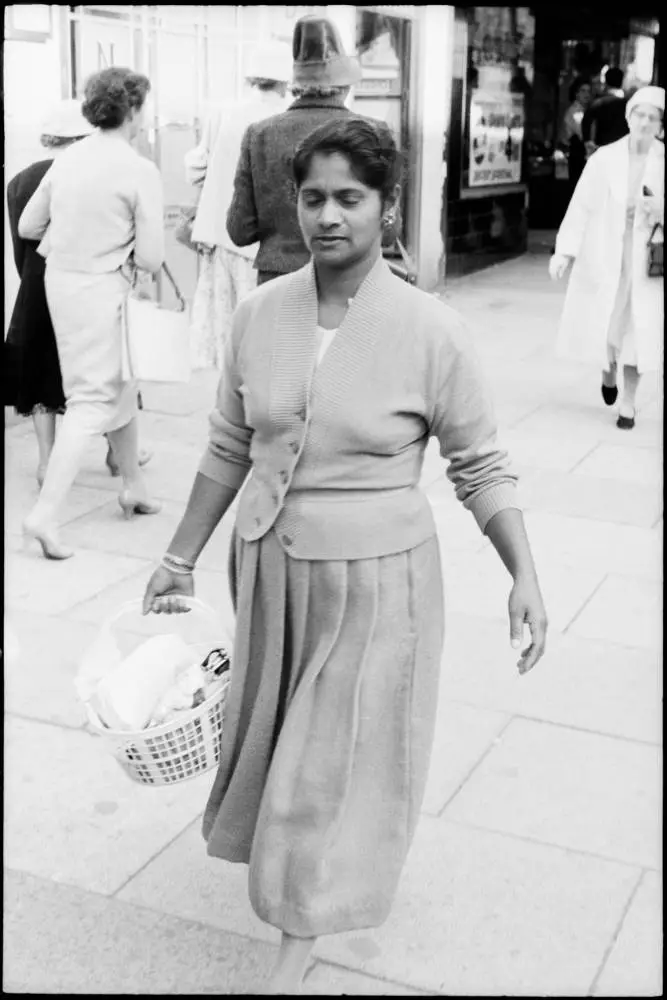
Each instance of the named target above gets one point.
<point>614,313</point>
<point>571,136</point>
<point>335,379</point>
<point>226,270</point>
<point>31,370</point>
<point>605,120</point>
<point>99,214</point>
<point>263,207</point>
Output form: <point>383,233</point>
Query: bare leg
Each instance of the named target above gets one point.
<point>610,373</point>
<point>287,976</point>
<point>125,445</point>
<point>144,454</point>
<point>134,498</point>
<point>630,385</point>
<point>44,423</point>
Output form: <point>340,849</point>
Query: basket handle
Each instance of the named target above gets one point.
<point>192,604</point>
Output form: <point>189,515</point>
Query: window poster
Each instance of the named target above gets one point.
<point>496,138</point>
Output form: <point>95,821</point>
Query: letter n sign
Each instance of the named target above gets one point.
<point>104,59</point>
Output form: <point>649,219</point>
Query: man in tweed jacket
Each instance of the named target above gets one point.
<point>263,207</point>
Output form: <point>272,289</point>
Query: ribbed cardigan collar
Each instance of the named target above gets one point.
<point>295,383</point>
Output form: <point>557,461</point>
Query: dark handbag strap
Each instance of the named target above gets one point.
<point>177,291</point>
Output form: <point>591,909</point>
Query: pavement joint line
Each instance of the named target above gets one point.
<point>134,904</point>
<point>610,947</point>
<point>526,416</point>
<point>494,741</point>
<point>590,732</point>
<point>261,942</point>
<point>91,597</point>
<point>336,964</point>
<point>577,614</point>
<point>550,845</point>
<point>584,457</point>
<point>554,722</point>
<point>69,727</point>
<point>154,857</point>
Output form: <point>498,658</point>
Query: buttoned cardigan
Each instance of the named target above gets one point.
<point>335,452</point>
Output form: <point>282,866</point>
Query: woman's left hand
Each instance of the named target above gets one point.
<point>527,607</point>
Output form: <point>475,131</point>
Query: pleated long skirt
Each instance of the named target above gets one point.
<point>328,730</point>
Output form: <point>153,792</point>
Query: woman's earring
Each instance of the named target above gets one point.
<point>389,219</point>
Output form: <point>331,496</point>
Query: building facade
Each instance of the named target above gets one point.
<point>473,94</point>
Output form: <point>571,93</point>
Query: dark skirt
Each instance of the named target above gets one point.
<point>328,730</point>
<point>31,366</point>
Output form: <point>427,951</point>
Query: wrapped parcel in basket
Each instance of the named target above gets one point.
<point>157,699</point>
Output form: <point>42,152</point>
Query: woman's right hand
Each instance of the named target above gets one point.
<point>165,590</point>
<point>558,265</point>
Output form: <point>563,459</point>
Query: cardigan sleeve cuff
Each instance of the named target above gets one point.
<point>494,499</point>
<point>223,472</point>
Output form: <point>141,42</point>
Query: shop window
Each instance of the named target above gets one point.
<point>494,95</point>
<point>28,22</point>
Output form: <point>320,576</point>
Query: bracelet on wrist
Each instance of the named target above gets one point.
<point>177,565</point>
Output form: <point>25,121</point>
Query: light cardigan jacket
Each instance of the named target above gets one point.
<point>336,452</point>
<point>101,202</point>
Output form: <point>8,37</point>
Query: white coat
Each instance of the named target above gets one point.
<point>592,233</point>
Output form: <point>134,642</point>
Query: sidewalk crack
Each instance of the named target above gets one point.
<point>494,742</point>
<point>615,936</point>
<point>584,605</point>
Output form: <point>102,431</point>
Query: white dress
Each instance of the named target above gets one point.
<point>621,336</point>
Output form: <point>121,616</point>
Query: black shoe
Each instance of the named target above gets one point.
<point>625,423</point>
<point>609,394</point>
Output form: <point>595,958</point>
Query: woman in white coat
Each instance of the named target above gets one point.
<point>613,313</point>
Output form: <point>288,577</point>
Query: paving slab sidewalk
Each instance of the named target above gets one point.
<point>536,868</point>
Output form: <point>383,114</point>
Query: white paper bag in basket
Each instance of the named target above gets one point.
<point>184,746</point>
<point>156,340</point>
<point>108,677</point>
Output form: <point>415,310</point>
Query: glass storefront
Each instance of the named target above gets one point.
<point>484,216</point>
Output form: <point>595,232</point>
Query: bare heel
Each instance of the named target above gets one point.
<point>51,547</point>
<point>130,505</point>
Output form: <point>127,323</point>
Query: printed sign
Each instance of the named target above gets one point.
<point>496,138</point>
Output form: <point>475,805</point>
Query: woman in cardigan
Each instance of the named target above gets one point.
<point>33,383</point>
<point>102,205</point>
<point>335,378</point>
<point>613,313</point>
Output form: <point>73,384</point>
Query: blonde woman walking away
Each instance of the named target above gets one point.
<point>99,210</point>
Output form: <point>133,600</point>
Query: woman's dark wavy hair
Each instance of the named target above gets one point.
<point>368,145</point>
<point>576,85</point>
<point>111,94</point>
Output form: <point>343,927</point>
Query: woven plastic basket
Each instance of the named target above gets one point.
<point>188,745</point>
